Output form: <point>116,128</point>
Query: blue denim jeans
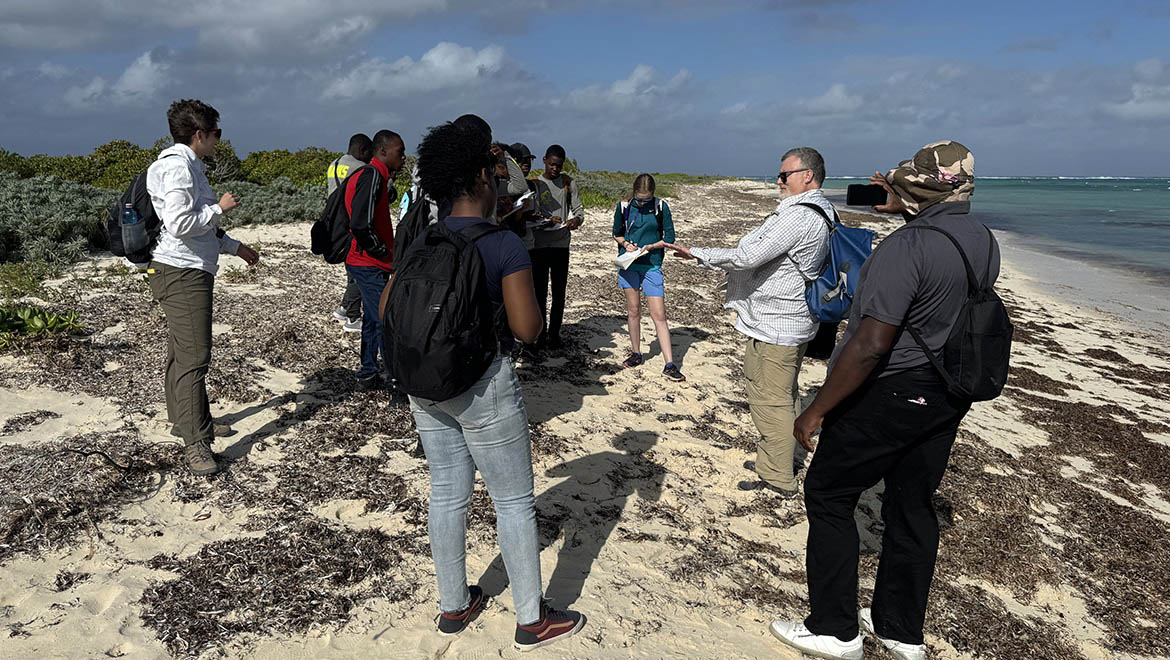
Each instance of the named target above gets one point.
<point>486,427</point>
<point>370,281</point>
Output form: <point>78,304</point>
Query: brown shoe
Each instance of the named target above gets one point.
<point>200,459</point>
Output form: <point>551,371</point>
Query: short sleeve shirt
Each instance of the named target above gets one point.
<point>503,253</point>
<point>916,277</point>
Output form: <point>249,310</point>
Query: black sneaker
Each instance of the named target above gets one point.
<point>672,372</point>
<point>764,485</point>
<point>554,625</point>
<point>453,623</point>
<point>634,360</point>
<point>370,383</point>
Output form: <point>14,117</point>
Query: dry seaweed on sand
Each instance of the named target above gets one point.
<point>977,623</point>
<point>25,421</point>
<point>52,494</point>
<point>304,574</point>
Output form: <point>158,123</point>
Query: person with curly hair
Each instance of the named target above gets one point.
<point>486,427</point>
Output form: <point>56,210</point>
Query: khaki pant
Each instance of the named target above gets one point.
<point>772,373</point>
<point>185,297</point>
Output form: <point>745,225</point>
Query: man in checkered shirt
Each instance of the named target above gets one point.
<point>766,277</point>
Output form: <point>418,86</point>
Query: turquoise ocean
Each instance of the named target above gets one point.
<point>1121,222</point>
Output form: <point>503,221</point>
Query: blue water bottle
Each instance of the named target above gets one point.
<point>134,236</point>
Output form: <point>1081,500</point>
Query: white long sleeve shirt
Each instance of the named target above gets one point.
<point>765,284</point>
<point>186,204</point>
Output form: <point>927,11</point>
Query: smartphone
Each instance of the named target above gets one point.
<point>862,195</point>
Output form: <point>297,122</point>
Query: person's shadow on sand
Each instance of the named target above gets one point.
<point>585,508</point>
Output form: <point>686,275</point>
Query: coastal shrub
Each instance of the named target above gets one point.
<point>304,167</point>
<point>18,321</point>
<point>117,163</point>
<point>50,219</point>
<point>280,201</point>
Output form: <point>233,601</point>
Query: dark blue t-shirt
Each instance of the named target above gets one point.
<point>503,253</point>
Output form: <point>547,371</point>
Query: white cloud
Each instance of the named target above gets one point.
<point>253,27</point>
<point>145,77</point>
<point>1146,103</point>
<point>1149,70</point>
<point>836,101</point>
<point>53,71</point>
<point>641,89</point>
<point>85,97</point>
<point>445,66</point>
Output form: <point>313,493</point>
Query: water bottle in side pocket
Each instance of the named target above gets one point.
<point>134,236</point>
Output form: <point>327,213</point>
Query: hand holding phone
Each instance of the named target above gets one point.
<point>862,195</point>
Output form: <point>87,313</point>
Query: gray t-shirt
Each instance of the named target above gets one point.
<point>917,277</point>
<point>339,169</point>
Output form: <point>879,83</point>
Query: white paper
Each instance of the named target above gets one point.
<point>623,261</point>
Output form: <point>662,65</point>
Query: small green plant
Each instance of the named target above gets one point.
<point>20,321</point>
<point>23,278</point>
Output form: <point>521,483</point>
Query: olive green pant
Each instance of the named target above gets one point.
<point>772,373</point>
<point>185,297</point>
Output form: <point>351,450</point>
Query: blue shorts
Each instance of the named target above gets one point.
<point>650,282</point>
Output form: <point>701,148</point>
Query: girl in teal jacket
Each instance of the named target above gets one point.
<point>644,222</point>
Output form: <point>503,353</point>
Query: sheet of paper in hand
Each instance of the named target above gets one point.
<point>623,261</point>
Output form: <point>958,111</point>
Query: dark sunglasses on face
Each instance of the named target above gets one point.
<point>783,176</point>
<point>217,132</point>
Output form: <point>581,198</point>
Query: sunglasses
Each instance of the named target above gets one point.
<point>783,176</point>
<point>217,132</point>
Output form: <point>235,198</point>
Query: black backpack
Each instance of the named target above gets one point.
<point>440,322</point>
<point>330,235</point>
<point>135,242</point>
<point>977,352</point>
<point>411,225</point>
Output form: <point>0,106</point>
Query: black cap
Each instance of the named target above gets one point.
<point>520,151</point>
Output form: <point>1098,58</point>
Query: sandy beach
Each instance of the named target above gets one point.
<point>1055,507</point>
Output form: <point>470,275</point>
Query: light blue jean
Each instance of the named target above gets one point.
<point>486,427</point>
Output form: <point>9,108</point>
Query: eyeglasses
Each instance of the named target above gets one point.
<point>783,176</point>
<point>217,132</point>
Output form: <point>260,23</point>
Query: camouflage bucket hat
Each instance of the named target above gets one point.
<point>940,172</point>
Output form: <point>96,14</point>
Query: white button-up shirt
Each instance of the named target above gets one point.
<point>765,284</point>
<point>186,204</point>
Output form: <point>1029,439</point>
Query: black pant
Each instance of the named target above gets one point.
<point>554,261</point>
<point>352,300</point>
<point>899,428</point>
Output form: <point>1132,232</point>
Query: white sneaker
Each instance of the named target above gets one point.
<point>339,314</point>
<point>794,634</point>
<point>352,325</point>
<point>901,650</point>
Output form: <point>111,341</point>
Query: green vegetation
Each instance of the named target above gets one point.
<point>53,209</point>
<point>18,322</point>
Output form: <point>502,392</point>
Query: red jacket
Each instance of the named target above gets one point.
<point>367,200</point>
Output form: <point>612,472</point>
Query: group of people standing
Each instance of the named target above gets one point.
<point>884,411</point>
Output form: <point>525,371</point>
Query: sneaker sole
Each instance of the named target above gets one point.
<point>206,472</point>
<point>816,654</point>
<point>576,629</point>
<point>351,329</point>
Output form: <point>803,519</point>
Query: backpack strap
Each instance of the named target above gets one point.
<point>972,287</point>
<point>832,228</point>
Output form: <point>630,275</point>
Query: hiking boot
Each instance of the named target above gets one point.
<point>453,623</point>
<point>553,625</point>
<point>794,634</point>
<point>672,372</point>
<point>200,459</point>
<point>634,360</point>
<point>764,485</point>
<point>340,314</point>
<point>218,430</point>
<point>900,650</point>
<point>352,325</point>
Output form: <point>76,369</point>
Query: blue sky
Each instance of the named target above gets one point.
<point>1033,88</point>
